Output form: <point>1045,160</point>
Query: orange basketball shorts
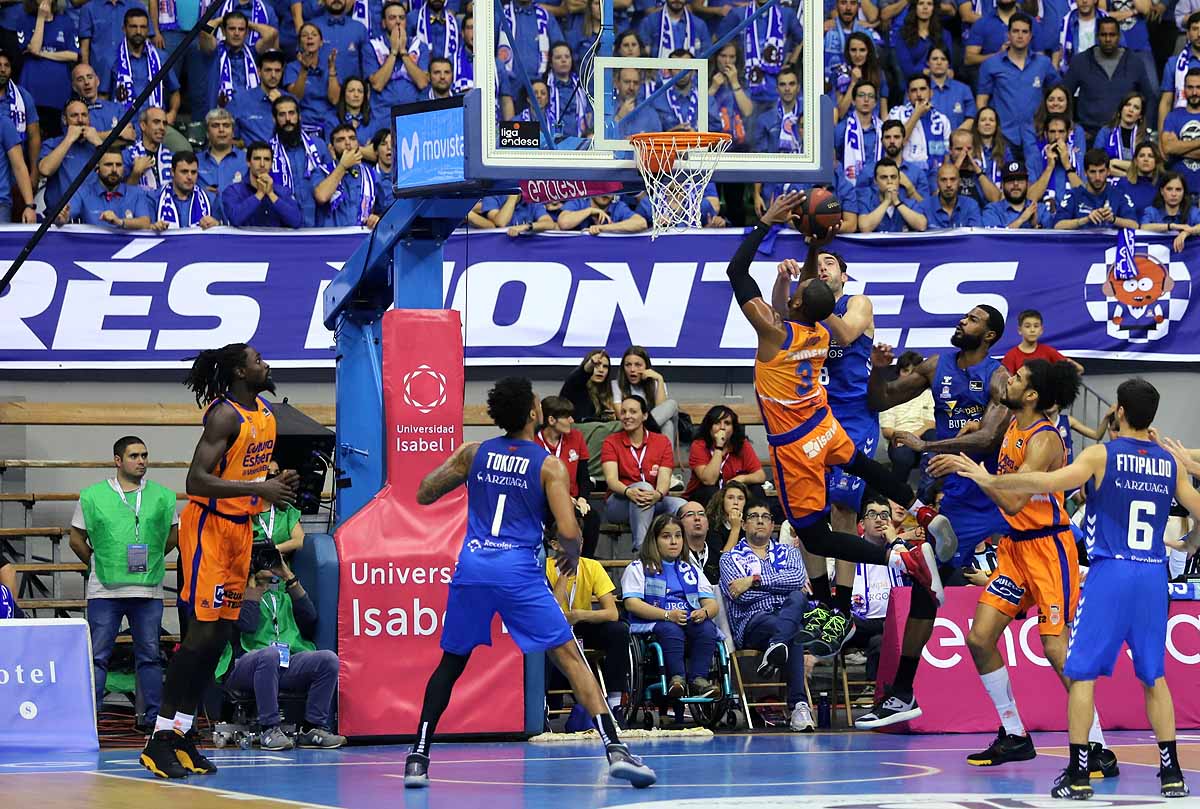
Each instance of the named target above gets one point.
<point>1042,571</point>
<point>801,458</point>
<point>214,558</point>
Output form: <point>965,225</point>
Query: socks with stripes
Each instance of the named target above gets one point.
<point>1078,768</point>
<point>1168,757</point>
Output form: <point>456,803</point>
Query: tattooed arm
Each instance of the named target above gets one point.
<point>449,476</point>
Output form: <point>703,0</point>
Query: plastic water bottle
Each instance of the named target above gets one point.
<point>824,711</point>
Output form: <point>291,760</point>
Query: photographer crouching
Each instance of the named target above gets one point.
<point>272,651</point>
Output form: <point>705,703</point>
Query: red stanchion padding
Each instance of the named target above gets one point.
<point>396,557</point>
<point>953,699</point>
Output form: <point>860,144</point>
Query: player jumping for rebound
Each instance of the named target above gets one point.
<point>1130,481</point>
<point>803,437</point>
<point>967,386</point>
<point>1037,560</point>
<point>227,484</point>
<point>513,487</point>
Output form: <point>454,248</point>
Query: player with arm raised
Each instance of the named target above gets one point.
<point>803,436</point>
<point>513,487</point>
<point>1131,482</point>
<point>967,386</point>
<point>1037,562</point>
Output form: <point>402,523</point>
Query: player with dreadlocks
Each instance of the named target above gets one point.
<point>226,485</point>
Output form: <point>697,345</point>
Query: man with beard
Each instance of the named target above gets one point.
<point>672,28</point>
<point>125,73</point>
<point>441,77</point>
<point>227,485</point>
<point>1013,81</point>
<point>63,158</point>
<point>181,204</point>
<point>968,386</point>
<point>259,202</point>
<point>1102,75</point>
<point>346,197</point>
<point>295,156</point>
<point>147,160</point>
<point>1096,203</point>
<point>1016,210</point>
<point>948,208</point>
<point>222,163</point>
<point>926,131</point>
<point>1180,136</point>
<point>885,207</point>
<point>105,199</point>
<point>251,109</point>
<point>103,113</point>
<point>345,35</point>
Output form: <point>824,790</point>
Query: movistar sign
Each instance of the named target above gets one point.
<point>429,147</point>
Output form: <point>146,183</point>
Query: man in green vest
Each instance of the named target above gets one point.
<point>280,523</point>
<point>273,652</point>
<point>123,528</point>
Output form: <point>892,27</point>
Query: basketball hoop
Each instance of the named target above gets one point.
<point>676,167</point>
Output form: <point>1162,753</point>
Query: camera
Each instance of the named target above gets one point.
<point>264,556</point>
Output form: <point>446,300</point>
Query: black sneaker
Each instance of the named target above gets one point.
<point>1078,788</point>
<point>190,757</point>
<point>628,767</point>
<point>814,621</point>
<point>1172,783</point>
<point>891,710</point>
<point>416,771</point>
<point>773,660</point>
<point>834,634</point>
<point>1102,762</point>
<point>1006,748</point>
<point>158,756</point>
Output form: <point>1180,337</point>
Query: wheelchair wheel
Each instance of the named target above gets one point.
<point>637,683</point>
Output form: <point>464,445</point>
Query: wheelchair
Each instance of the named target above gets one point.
<point>649,706</point>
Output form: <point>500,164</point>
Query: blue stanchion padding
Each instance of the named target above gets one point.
<point>316,565</point>
<point>46,695</point>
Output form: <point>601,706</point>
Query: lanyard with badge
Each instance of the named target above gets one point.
<point>638,459</point>
<point>137,554</point>
<point>285,654</point>
<point>546,446</point>
<point>268,527</point>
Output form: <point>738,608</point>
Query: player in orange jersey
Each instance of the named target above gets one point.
<point>226,485</point>
<point>1037,562</point>
<point>804,438</point>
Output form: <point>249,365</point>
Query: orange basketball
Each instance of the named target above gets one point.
<point>820,211</point>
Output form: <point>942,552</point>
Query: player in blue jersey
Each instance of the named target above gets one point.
<point>1130,481</point>
<point>514,487</point>
<point>967,386</point>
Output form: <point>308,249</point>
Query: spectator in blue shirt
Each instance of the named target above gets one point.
<point>1078,34</point>
<point>914,178</point>
<point>105,199</point>
<point>303,154</point>
<point>355,108</point>
<point>949,96</point>
<point>974,182</point>
<point>629,118</point>
<point>857,138</point>
<point>990,148</point>
<point>674,27</point>
<point>1177,67</point>
<point>769,43</point>
<point>990,34</point>
<point>126,70</point>
<point>781,129</point>
<point>257,201</point>
<point>1172,211</point>
<point>312,78</point>
<point>569,111</point>
<point>885,207</point>
<point>100,27</point>
<point>921,31</point>
<point>861,62</point>
<point>533,31</point>
<point>1016,210</point>
<point>181,204</point>
<point>1180,135</point>
<point>1095,204</point>
<point>518,217</point>
<point>1013,81</point>
<point>948,208</point>
<point>102,113</point>
<point>1058,167</point>
<point>679,107</point>
<point>1100,78</point>
<point>231,66</point>
<point>346,196</point>
<point>251,109</point>
<point>1123,132</point>
<point>600,214</point>
<point>51,47</point>
<point>1141,178</point>
<point>396,64</point>
<point>729,106</point>
<point>21,111</point>
<point>63,158</point>
<point>846,21</point>
<point>346,36</point>
<point>222,164</point>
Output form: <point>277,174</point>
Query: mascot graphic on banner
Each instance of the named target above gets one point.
<point>1138,291</point>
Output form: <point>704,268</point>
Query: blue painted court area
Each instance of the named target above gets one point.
<point>833,769</point>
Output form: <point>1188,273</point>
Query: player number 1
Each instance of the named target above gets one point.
<point>1141,533</point>
<point>499,518</point>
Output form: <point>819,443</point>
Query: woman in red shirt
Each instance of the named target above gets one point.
<point>720,455</point>
<point>637,468</point>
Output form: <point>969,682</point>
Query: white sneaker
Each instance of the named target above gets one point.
<point>676,483</point>
<point>802,719</point>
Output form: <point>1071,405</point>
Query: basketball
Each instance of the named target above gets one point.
<point>820,212</point>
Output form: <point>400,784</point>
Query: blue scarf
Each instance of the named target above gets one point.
<point>666,34</point>
<point>554,111</point>
<point>748,562</point>
<point>685,113</point>
<point>366,202</point>
<point>991,165</point>
<point>504,52</point>
<point>281,167</point>
<point>124,73</point>
<point>450,47</point>
<point>160,175</point>
<point>790,140</point>
<point>763,60</point>
<point>464,71</point>
<point>1070,31</point>
<point>258,14</point>
<point>1114,147</point>
<point>168,207</point>
<point>227,90</point>
<point>854,158</point>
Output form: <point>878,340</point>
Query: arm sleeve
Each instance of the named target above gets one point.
<point>305,613</point>
<point>745,288</point>
<point>288,210</point>
<point>698,454</point>
<point>249,617</point>
<point>583,480</point>
<point>729,572</point>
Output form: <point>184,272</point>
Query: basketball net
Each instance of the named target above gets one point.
<point>676,168</point>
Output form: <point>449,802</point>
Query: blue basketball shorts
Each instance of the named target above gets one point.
<point>1122,602</point>
<point>843,489</point>
<point>974,519</point>
<point>528,609</point>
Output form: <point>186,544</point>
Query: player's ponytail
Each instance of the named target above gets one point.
<point>1056,383</point>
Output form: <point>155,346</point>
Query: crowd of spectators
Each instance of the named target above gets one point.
<point>994,113</point>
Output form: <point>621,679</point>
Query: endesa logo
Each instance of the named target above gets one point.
<point>1019,644</point>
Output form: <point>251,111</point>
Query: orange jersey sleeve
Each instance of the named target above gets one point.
<point>1043,510</point>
